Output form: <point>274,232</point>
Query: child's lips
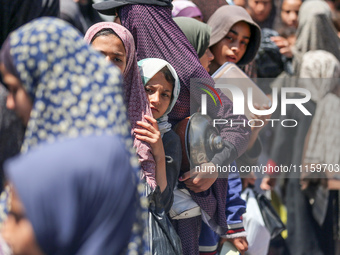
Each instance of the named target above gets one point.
<point>231,58</point>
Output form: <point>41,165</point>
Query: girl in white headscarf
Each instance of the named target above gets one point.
<point>162,87</point>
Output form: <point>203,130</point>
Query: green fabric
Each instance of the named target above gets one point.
<point>198,33</point>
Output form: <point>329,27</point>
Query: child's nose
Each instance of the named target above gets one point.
<point>10,104</point>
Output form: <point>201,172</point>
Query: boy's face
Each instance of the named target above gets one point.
<point>18,232</point>
<point>159,92</point>
<point>233,46</point>
<point>290,12</point>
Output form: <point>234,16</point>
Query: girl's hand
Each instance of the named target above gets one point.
<point>150,134</point>
<point>201,180</point>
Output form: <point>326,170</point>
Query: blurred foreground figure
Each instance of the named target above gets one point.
<point>84,204</point>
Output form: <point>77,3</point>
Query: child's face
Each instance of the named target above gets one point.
<point>206,59</point>
<point>233,46</point>
<point>113,48</point>
<point>17,99</point>
<point>259,10</point>
<point>290,12</point>
<point>18,232</point>
<point>159,92</point>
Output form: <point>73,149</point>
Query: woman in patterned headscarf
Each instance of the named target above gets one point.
<point>135,97</point>
<point>14,14</point>
<point>71,90</point>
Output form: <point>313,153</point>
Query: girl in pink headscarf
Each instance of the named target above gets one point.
<point>117,44</point>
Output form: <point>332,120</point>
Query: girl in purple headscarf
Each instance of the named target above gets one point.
<point>119,47</point>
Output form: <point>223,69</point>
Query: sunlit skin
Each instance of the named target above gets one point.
<point>17,230</point>
<point>159,92</point>
<point>17,100</point>
<point>242,3</point>
<point>117,20</point>
<point>259,10</point>
<point>232,47</point>
<point>290,12</point>
<point>113,48</point>
<point>198,18</point>
<point>206,59</point>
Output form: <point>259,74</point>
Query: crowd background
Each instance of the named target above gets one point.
<point>277,43</point>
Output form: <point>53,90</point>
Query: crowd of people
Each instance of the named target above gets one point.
<point>93,100</point>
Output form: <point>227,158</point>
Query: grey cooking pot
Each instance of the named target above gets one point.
<point>200,140</point>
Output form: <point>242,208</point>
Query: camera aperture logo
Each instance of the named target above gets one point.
<point>212,97</point>
<point>239,105</point>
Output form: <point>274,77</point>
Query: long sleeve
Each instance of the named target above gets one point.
<point>235,207</point>
<point>173,157</point>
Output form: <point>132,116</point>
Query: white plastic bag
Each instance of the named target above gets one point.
<point>258,236</point>
<point>183,206</point>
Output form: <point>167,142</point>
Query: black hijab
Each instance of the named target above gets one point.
<point>15,13</point>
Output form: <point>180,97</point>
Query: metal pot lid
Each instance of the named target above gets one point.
<point>202,140</point>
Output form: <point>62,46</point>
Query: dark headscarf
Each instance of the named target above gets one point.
<point>81,16</point>
<point>315,32</point>
<point>222,21</point>
<point>14,13</point>
<point>198,33</point>
<point>80,195</point>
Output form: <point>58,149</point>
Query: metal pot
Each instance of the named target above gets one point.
<point>200,140</point>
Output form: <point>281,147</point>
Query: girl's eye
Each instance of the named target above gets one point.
<point>229,38</point>
<point>17,217</point>
<point>166,95</point>
<point>244,43</point>
<point>148,90</point>
<point>117,60</point>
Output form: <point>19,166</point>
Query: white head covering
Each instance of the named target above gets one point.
<point>148,68</point>
<point>321,71</point>
<point>322,146</point>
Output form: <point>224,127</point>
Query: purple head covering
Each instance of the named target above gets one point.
<point>186,9</point>
<point>135,96</point>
